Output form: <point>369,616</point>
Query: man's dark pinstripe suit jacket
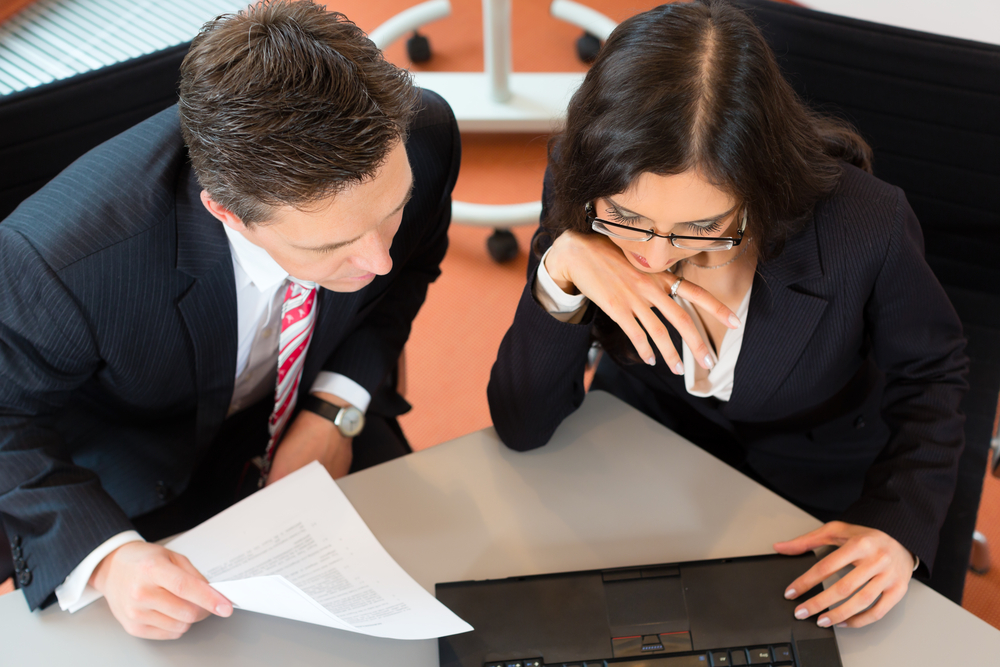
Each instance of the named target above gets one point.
<point>118,332</point>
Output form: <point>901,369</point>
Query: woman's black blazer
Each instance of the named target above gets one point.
<point>847,388</point>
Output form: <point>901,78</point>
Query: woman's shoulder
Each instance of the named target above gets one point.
<point>862,211</point>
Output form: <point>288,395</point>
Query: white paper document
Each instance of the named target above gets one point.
<point>298,549</point>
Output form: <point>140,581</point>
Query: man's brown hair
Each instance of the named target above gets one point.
<point>285,104</point>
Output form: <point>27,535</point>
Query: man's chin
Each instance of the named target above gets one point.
<point>347,285</point>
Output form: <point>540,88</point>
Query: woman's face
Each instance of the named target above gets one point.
<point>684,204</point>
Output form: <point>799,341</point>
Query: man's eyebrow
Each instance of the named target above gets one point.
<point>329,247</point>
<point>621,209</point>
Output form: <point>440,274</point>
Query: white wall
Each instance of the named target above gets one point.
<point>968,19</point>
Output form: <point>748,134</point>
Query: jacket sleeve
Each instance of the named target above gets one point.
<point>56,510</point>
<point>918,343</point>
<point>371,350</point>
<point>537,379</point>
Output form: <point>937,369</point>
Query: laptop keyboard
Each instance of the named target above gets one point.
<point>765,656</point>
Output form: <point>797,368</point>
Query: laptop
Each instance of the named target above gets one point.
<point>706,613</point>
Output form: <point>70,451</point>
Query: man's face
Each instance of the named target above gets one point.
<point>341,242</point>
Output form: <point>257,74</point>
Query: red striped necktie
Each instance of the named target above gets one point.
<point>298,318</point>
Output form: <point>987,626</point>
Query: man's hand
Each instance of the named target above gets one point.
<point>313,438</point>
<point>596,267</point>
<point>882,567</point>
<point>156,593</point>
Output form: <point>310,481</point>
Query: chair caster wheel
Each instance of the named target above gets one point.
<point>502,245</point>
<point>587,47</point>
<point>418,48</point>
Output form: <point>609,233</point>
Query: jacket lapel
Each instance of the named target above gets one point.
<point>208,307</point>
<point>781,320</point>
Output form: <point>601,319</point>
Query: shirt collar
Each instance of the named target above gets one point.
<point>258,266</point>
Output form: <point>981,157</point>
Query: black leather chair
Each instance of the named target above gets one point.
<point>930,108</point>
<point>44,129</point>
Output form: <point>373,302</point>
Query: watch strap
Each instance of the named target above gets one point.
<point>324,409</point>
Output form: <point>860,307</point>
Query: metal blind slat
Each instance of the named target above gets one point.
<point>53,39</point>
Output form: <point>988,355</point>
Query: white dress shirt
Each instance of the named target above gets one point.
<point>717,382</point>
<point>259,296</point>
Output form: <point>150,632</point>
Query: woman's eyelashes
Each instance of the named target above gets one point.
<point>621,218</point>
<point>688,228</point>
<point>710,228</point>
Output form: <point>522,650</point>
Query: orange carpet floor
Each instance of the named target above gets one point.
<point>457,333</point>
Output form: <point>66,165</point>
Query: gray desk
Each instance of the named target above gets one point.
<point>613,488</point>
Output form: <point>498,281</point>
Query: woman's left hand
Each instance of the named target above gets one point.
<point>882,567</point>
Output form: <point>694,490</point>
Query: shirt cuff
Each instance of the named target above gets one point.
<point>75,593</point>
<point>343,387</point>
<point>562,306</point>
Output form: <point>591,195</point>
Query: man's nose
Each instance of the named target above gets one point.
<point>374,254</point>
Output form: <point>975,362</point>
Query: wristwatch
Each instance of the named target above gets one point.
<point>349,419</point>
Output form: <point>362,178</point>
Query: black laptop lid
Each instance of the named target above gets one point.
<point>694,614</point>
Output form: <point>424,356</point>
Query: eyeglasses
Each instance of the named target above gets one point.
<point>702,243</point>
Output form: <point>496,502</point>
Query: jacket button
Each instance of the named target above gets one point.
<point>16,552</point>
<point>19,565</point>
<point>859,422</point>
<point>162,491</point>
<point>16,542</point>
<point>24,578</point>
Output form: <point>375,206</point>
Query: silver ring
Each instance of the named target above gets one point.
<point>675,287</point>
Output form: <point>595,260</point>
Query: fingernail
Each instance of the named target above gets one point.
<point>709,364</point>
<point>790,593</point>
<point>679,368</point>
<point>841,625</point>
<point>801,613</point>
<point>735,321</point>
<point>224,610</point>
<point>651,361</point>
<point>823,622</point>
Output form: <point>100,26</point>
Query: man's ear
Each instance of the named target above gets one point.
<point>228,218</point>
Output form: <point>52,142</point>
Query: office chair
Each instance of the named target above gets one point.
<point>44,129</point>
<point>930,107</point>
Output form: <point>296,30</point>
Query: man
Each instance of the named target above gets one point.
<point>231,281</point>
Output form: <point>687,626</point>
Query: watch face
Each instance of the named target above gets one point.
<point>350,421</point>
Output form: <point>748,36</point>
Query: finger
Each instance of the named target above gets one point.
<point>153,619</point>
<point>825,535</point>
<point>709,304</point>
<point>863,599</point>
<point>150,632</point>
<point>685,326</point>
<point>823,570</point>
<point>624,317</point>
<point>661,338</point>
<point>182,562</point>
<point>193,589</point>
<point>849,585</point>
<point>890,598</point>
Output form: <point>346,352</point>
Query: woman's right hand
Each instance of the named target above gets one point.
<point>597,268</point>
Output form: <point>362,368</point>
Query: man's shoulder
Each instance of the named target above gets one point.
<point>112,193</point>
<point>432,110</point>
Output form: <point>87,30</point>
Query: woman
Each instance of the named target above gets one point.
<point>693,203</point>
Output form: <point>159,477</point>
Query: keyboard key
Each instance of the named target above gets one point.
<point>782,653</point>
<point>739,657</point>
<point>720,659</point>
<point>760,655</point>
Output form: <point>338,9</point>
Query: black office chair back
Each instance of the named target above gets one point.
<point>930,108</point>
<point>44,129</point>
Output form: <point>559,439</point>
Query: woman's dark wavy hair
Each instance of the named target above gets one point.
<point>695,86</point>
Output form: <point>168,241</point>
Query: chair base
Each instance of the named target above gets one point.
<point>980,561</point>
